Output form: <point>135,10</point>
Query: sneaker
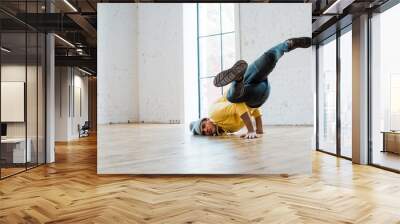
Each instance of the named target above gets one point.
<point>235,73</point>
<point>302,42</point>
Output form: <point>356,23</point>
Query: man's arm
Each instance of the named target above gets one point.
<point>259,126</point>
<point>250,130</point>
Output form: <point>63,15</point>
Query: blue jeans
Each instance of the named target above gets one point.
<point>255,88</point>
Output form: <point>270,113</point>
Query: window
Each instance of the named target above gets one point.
<point>216,41</point>
<point>327,95</point>
<point>334,60</point>
<point>394,101</point>
<point>346,75</point>
<point>385,89</point>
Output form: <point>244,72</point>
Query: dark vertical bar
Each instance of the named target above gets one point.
<point>1,44</point>
<point>198,59</point>
<point>59,82</point>
<point>317,96</point>
<point>26,86</point>
<point>69,93</point>
<point>69,100</point>
<point>45,91</point>
<point>37,89</point>
<point>338,97</point>
<point>369,95</point>
<point>73,90</point>
<point>318,5</point>
<point>220,38</point>
<point>384,141</point>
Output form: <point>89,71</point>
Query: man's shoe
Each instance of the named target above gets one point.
<point>235,73</point>
<point>302,42</point>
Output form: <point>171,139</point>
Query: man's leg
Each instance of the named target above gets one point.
<point>236,92</point>
<point>256,72</point>
<point>259,70</point>
<point>256,94</point>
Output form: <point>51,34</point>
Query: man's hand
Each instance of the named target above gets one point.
<point>249,135</point>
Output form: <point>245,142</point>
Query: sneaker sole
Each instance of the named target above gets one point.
<point>229,75</point>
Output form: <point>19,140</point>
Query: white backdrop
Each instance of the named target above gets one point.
<point>262,26</point>
<point>117,73</point>
<point>140,63</point>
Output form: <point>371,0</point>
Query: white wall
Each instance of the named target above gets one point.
<point>160,65</point>
<point>146,60</point>
<point>67,114</point>
<point>117,65</point>
<point>81,114</point>
<point>62,81</point>
<point>262,26</point>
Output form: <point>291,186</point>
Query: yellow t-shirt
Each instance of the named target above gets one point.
<point>227,115</point>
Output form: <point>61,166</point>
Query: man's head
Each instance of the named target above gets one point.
<point>203,126</point>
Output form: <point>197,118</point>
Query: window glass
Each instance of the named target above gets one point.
<point>346,93</point>
<point>216,48</point>
<point>209,94</point>
<point>227,17</point>
<point>22,90</point>
<point>209,19</point>
<point>228,50</point>
<point>15,150</point>
<point>210,55</point>
<point>385,89</point>
<point>327,96</point>
<point>32,95</point>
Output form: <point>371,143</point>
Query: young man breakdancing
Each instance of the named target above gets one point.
<point>250,89</point>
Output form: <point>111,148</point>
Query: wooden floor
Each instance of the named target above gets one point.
<point>10,171</point>
<point>172,149</point>
<point>70,191</point>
